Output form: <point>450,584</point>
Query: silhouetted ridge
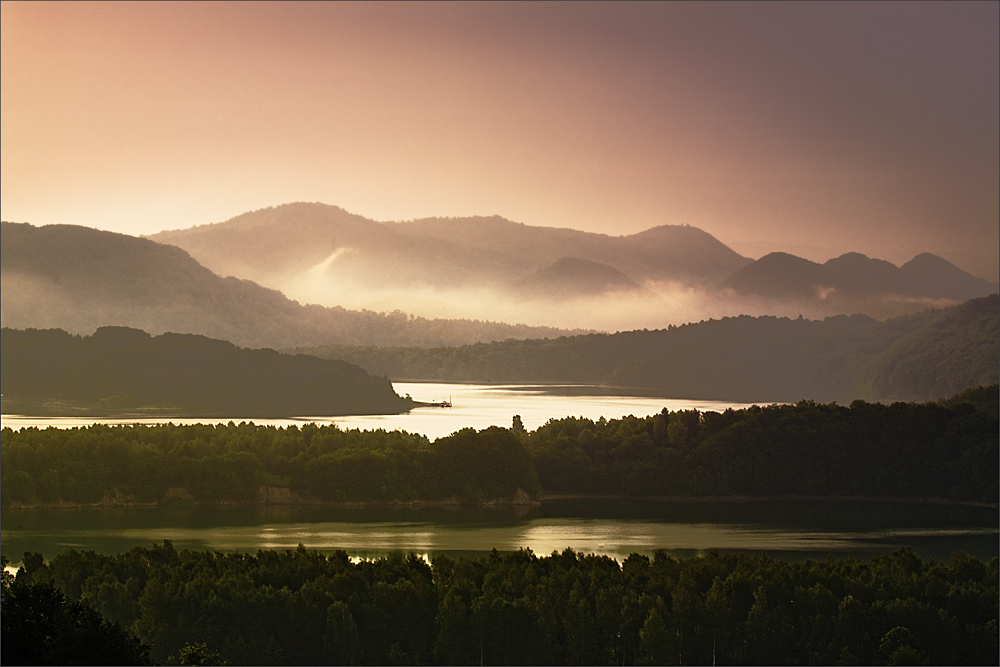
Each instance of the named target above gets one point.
<point>923,356</point>
<point>81,260</point>
<point>781,275</point>
<point>853,275</point>
<point>930,275</point>
<point>857,274</point>
<point>126,369</point>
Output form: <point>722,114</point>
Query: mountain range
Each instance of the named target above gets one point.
<point>495,268</point>
<point>272,243</point>
<point>79,279</point>
<point>484,270</point>
<point>853,275</point>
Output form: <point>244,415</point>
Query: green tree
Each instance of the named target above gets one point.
<point>198,654</point>
<point>899,647</point>
<point>654,638</point>
<point>341,642</point>
<point>17,486</point>
<point>40,626</point>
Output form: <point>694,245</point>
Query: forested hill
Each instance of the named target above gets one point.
<point>754,359</point>
<point>120,369</point>
<point>78,279</point>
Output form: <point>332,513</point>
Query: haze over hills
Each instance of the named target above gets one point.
<point>570,277</point>
<point>490,267</point>
<point>79,279</point>
<point>439,252</point>
<point>464,267</point>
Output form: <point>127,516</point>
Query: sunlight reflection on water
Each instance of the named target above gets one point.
<point>611,537</point>
<point>476,406</point>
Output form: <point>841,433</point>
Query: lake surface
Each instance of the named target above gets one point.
<point>478,406</point>
<point>790,530</point>
<point>616,528</point>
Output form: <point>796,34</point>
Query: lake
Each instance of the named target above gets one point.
<point>791,530</point>
<point>478,406</point>
<point>616,528</point>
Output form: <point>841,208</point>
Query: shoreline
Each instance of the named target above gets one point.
<point>210,417</point>
<point>770,499</point>
<point>271,496</point>
<point>519,500</point>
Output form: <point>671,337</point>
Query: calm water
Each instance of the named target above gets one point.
<point>614,528</point>
<point>478,406</point>
<point>788,530</point>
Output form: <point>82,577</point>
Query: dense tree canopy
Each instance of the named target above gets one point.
<point>304,607</point>
<point>930,450</point>
<point>231,462</point>
<point>119,368</point>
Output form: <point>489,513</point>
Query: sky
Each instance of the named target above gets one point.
<point>812,128</point>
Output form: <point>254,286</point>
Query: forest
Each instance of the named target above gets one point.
<point>123,370</point>
<point>306,607</point>
<point>915,357</point>
<point>947,450</point>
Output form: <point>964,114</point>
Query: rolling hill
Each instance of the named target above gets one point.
<point>571,277</point>
<point>322,247</point>
<point>120,369</point>
<point>78,279</point>
<point>918,357</point>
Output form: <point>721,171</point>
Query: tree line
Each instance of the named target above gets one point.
<point>305,607</point>
<point>228,463</point>
<point>914,357</point>
<point>931,450</point>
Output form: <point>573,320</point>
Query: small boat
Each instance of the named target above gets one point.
<point>434,404</point>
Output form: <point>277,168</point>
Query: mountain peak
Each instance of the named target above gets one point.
<point>570,277</point>
<point>937,277</point>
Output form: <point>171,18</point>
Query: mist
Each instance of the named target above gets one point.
<point>656,306</point>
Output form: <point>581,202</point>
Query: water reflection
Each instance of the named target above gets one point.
<point>476,406</point>
<point>613,528</point>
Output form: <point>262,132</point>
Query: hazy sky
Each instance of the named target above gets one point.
<point>808,127</point>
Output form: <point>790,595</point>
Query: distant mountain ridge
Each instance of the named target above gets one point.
<point>470,273</point>
<point>321,253</point>
<point>79,279</point>
<point>271,243</point>
<point>853,275</point>
<point>923,356</point>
